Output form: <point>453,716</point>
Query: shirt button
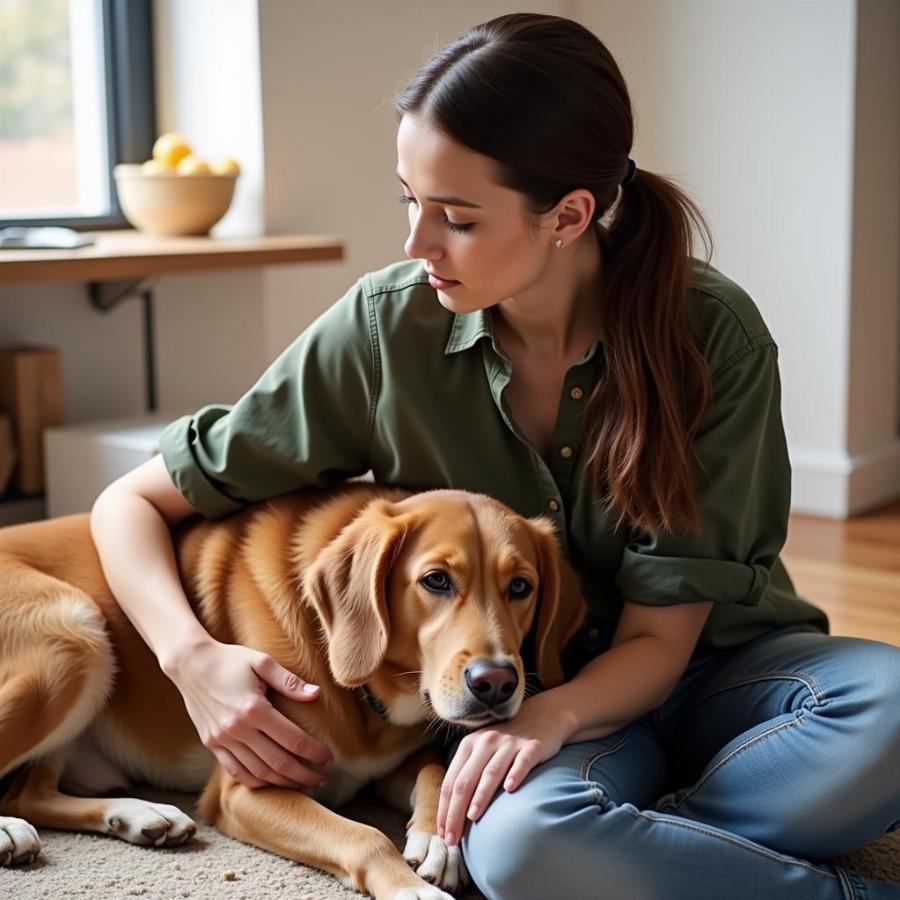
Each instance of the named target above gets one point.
<point>553,505</point>
<point>565,452</point>
<point>594,634</point>
<point>576,393</point>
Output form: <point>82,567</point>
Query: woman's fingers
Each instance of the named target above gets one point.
<point>494,772</point>
<point>278,727</point>
<point>281,767</point>
<point>280,679</point>
<point>258,769</point>
<point>463,752</point>
<point>480,776</point>
<point>234,768</point>
<point>293,739</point>
<point>524,762</point>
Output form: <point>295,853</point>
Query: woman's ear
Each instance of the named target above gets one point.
<point>347,586</point>
<point>561,607</point>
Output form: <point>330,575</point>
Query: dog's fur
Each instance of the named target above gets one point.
<point>330,584</point>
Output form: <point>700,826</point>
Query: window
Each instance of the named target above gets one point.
<point>76,98</point>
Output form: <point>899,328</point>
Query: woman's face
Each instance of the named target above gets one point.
<point>462,225</point>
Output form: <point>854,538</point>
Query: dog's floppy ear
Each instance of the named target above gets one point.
<point>562,606</point>
<point>346,584</point>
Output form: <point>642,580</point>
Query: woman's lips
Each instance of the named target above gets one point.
<point>441,284</point>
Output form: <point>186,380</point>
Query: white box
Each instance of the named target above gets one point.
<point>81,460</point>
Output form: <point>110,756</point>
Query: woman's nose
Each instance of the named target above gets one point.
<point>421,243</point>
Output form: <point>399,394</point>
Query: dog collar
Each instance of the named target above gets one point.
<point>374,702</point>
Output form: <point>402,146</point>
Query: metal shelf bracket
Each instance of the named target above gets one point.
<point>104,295</point>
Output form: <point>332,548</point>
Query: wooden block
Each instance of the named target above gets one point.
<point>7,452</point>
<point>31,394</point>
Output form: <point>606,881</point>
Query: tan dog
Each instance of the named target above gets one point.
<point>417,602</point>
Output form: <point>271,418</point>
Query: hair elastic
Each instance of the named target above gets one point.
<point>629,176</point>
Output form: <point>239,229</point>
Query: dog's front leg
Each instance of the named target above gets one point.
<point>293,824</point>
<point>416,785</point>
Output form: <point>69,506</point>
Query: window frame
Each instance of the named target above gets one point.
<point>130,105</point>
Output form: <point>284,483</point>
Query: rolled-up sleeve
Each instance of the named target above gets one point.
<point>743,488</point>
<point>306,422</point>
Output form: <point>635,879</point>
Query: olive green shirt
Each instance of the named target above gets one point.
<point>388,380</point>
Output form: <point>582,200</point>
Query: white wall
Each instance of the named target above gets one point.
<point>766,111</point>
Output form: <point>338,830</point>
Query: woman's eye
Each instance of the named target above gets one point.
<point>437,582</point>
<point>519,589</point>
<point>453,226</point>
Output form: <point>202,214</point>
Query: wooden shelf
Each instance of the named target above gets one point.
<point>129,254</point>
<point>124,264</point>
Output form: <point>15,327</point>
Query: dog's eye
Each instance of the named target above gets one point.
<point>437,582</point>
<point>519,589</point>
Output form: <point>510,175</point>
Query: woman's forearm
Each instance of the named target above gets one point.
<point>138,560</point>
<point>616,688</point>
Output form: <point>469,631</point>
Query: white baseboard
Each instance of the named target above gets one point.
<point>839,485</point>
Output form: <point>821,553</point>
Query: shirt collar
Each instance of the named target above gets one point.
<point>469,328</point>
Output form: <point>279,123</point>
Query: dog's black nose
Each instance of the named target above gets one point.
<point>490,683</point>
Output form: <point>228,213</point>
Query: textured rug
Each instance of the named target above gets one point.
<point>213,867</point>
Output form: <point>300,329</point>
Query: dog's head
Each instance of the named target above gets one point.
<point>430,599</point>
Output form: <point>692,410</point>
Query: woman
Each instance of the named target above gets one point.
<point>554,343</point>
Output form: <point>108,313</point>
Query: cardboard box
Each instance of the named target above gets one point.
<point>31,394</point>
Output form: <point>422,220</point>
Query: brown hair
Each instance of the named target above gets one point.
<point>543,98</point>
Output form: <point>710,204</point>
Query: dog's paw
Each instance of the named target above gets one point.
<point>434,861</point>
<point>19,842</point>
<point>425,893</point>
<point>148,824</point>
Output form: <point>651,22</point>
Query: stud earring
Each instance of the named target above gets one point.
<point>559,245</point>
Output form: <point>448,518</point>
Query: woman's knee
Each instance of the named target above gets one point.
<point>852,792</point>
<point>529,841</point>
<point>868,695</point>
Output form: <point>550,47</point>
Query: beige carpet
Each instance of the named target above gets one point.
<point>102,868</point>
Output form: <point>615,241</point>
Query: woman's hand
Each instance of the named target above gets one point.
<point>497,753</point>
<point>224,690</point>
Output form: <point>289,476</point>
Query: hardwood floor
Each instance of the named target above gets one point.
<point>851,569</point>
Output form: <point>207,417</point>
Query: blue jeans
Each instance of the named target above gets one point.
<point>767,760</point>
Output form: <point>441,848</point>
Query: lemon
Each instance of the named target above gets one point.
<point>192,165</point>
<point>170,148</point>
<point>225,166</point>
<point>154,167</point>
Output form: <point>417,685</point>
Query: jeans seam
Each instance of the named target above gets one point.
<point>848,886</point>
<point>689,792</point>
<point>690,825</point>
<point>586,765</point>
<point>810,682</point>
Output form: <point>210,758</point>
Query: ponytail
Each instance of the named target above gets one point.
<point>655,383</point>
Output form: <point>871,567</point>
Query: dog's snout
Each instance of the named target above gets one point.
<point>492,684</point>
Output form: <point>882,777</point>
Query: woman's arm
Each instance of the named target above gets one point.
<point>130,523</point>
<point>223,685</point>
<point>650,651</point>
<point>648,655</point>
